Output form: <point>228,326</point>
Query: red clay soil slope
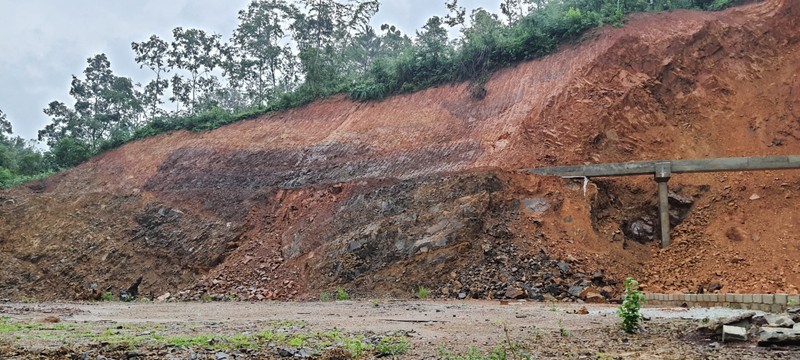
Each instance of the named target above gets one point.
<point>424,189</point>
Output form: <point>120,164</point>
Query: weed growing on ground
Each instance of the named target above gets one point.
<point>342,295</point>
<point>422,292</point>
<point>473,353</point>
<point>325,297</point>
<point>356,346</point>
<point>392,346</point>
<point>562,330</point>
<point>107,296</point>
<point>631,303</point>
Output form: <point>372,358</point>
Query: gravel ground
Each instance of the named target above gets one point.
<point>425,329</point>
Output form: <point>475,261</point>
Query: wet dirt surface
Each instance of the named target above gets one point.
<point>425,189</point>
<point>432,328</point>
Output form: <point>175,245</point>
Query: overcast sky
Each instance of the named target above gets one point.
<point>44,42</point>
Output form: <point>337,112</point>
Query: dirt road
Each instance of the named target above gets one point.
<point>354,329</point>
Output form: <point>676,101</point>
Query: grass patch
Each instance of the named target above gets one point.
<point>342,295</point>
<point>473,353</point>
<point>392,346</point>
<point>286,333</point>
<point>422,292</point>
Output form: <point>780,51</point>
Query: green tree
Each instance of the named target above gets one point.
<point>18,158</point>
<point>322,30</point>
<point>153,54</point>
<point>260,58</point>
<point>432,54</point>
<point>198,53</point>
<point>104,103</point>
<point>456,15</point>
<point>69,151</point>
<point>5,126</point>
<point>515,10</point>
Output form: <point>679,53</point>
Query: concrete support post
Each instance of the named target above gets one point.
<point>663,211</point>
<point>663,173</point>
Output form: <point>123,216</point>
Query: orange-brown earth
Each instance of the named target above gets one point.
<point>424,189</point>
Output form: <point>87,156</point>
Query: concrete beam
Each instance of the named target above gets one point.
<point>676,166</point>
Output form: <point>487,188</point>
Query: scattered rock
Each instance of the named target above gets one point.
<point>778,336</point>
<point>513,292</point>
<point>221,356</point>
<point>564,267</point>
<point>676,199</point>
<point>51,319</point>
<point>164,297</point>
<point>737,234</point>
<point>755,197</point>
<point>733,333</point>
<point>577,290</point>
<point>462,295</point>
<point>536,205</point>
<point>582,311</point>
<point>782,321</point>
<point>641,230</point>
<point>593,297</point>
<point>715,327</point>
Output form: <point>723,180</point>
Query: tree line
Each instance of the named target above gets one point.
<point>286,53</point>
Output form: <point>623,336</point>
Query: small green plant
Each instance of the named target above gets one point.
<point>325,297</point>
<point>107,296</point>
<point>792,302</point>
<point>28,300</point>
<point>342,295</point>
<point>356,346</point>
<point>562,330</point>
<point>206,298</point>
<point>375,303</point>
<point>392,346</point>
<point>604,356</point>
<point>631,303</point>
<point>422,292</point>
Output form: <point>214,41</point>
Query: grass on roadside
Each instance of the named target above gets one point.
<point>276,334</point>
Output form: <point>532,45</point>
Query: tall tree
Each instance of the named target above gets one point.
<point>260,57</point>
<point>104,103</point>
<point>198,53</point>
<point>153,54</point>
<point>515,10</point>
<point>5,126</point>
<point>322,31</point>
<point>456,14</point>
<point>432,40</point>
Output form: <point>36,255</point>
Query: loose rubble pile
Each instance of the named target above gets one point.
<point>768,330</point>
<point>506,273</point>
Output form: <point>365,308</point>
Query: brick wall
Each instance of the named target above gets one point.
<point>775,303</point>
